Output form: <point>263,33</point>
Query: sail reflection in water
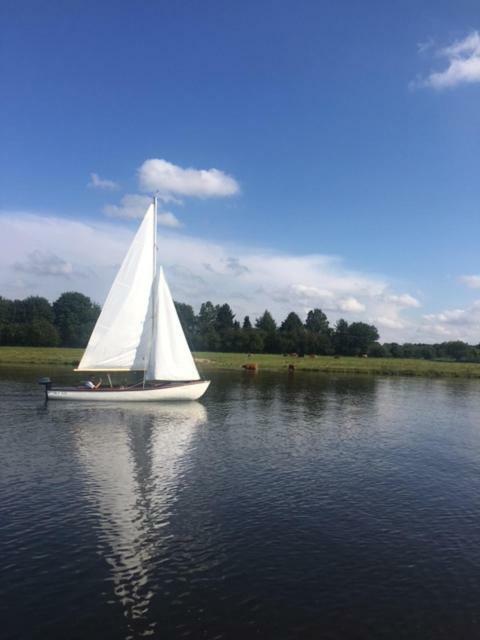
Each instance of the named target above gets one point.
<point>134,458</point>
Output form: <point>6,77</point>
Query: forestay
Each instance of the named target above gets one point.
<point>121,338</point>
<point>170,357</point>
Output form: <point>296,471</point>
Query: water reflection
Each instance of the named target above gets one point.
<point>306,506</point>
<point>134,459</point>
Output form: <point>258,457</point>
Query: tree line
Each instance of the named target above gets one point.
<point>69,321</point>
<point>34,322</point>
<point>215,329</point>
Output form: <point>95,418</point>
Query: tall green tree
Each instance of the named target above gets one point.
<point>266,323</point>
<point>319,334</point>
<point>341,338</point>
<point>292,334</point>
<point>267,327</point>
<point>225,317</point>
<point>291,323</point>
<point>37,308</point>
<point>207,338</point>
<point>206,317</point>
<point>75,317</point>
<point>362,335</point>
<point>317,322</point>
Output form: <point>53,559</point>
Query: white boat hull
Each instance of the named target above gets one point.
<point>169,393</point>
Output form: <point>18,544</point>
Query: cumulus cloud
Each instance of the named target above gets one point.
<point>455,324</point>
<point>167,219</point>
<point>170,180</point>
<point>250,279</point>
<point>390,323</point>
<point>41,263</point>
<point>325,298</point>
<point>96,182</point>
<point>472,281</point>
<point>28,242</point>
<point>404,300</point>
<point>462,65</point>
<point>350,305</point>
<point>133,206</point>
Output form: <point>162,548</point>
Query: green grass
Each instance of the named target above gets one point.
<point>234,361</point>
<point>330,364</point>
<point>40,355</point>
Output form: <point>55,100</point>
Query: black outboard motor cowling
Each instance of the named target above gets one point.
<point>47,383</point>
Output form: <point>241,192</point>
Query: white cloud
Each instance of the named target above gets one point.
<point>167,219</point>
<point>463,65</point>
<point>171,180</point>
<point>44,264</point>
<point>469,45</point>
<point>327,299</point>
<point>455,324</point>
<point>91,249</point>
<point>350,305</point>
<point>133,206</point>
<point>472,281</point>
<point>404,300</point>
<point>390,323</point>
<point>250,279</point>
<point>102,183</point>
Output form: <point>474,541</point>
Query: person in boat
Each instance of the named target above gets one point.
<point>90,384</point>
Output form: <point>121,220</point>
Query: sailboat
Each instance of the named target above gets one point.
<point>138,330</point>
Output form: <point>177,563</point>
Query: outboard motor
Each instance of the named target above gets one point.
<point>47,383</point>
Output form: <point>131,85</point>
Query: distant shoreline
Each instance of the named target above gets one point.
<point>53,356</point>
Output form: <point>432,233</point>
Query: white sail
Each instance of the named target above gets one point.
<point>122,335</point>
<point>170,357</point>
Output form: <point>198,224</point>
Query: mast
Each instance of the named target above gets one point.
<point>153,290</point>
<point>154,236</point>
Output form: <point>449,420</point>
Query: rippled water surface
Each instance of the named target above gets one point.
<point>301,507</point>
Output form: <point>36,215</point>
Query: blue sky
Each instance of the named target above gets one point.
<point>350,131</point>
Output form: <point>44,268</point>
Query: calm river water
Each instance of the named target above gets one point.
<point>279,507</point>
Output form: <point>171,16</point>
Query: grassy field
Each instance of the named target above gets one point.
<point>40,355</point>
<point>329,364</point>
<point>234,361</point>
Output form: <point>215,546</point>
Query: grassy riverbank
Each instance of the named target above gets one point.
<point>39,355</point>
<point>330,364</point>
<point>234,361</point>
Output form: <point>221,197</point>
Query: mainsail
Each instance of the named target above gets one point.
<point>116,341</point>
<point>138,328</point>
